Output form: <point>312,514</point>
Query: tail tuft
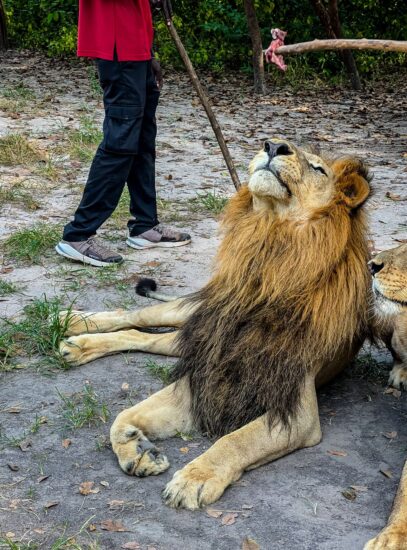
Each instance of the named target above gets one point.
<point>145,286</point>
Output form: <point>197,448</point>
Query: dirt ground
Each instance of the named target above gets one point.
<point>334,496</point>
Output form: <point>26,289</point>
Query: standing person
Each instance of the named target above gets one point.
<point>119,35</point>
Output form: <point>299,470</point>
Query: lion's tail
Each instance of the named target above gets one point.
<point>148,288</point>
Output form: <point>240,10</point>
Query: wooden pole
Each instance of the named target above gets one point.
<point>344,44</point>
<point>205,102</point>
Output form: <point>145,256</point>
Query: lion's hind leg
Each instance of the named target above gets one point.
<point>162,415</point>
<point>171,314</point>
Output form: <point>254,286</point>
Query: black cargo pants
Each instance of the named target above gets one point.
<point>126,154</point>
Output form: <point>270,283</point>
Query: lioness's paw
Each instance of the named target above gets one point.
<point>137,455</point>
<point>76,322</point>
<point>398,377</point>
<point>78,350</point>
<point>392,538</point>
<point>193,487</point>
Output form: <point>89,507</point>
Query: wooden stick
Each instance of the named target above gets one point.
<point>205,102</point>
<point>344,44</point>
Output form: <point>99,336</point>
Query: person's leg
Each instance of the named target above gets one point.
<point>124,87</point>
<point>141,179</point>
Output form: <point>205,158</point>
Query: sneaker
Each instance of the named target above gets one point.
<point>88,252</point>
<point>159,236</point>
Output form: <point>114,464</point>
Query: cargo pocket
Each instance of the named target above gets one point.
<point>122,127</point>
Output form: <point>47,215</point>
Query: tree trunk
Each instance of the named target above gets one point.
<point>330,21</point>
<point>258,57</point>
<point>3,28</point>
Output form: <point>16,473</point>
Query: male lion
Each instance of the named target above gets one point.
<point>285,310</point>
<point>389,270</point>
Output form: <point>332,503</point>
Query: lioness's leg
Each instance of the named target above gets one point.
<point>162,415</point>
<point>204,479</point>
<point>79,350</point>
<point>394,535</point>
<point>171,314</point>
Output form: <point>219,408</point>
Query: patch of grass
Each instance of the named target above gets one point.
<point>15,195</point>
<point>19,91</point>
<point>83,409</point>
<point>6,542</point>
<point>16,150</point>
<point>15,99</point>
<point>7,288</point>
<point>160,371</point>
<point>39,332</point>
<point>30,244</point>
<point>14,441</point>
<point>94,85</point>
<point>83,141</point>
<point>212,202</point>
<point>48,169</point>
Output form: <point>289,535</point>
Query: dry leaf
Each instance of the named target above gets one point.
<point>115,504</point>
<point>24,445</point>
<point>104,483</point>
<point>91,527</point>
<point>386,473</point>
<point>250,544</point>
<point>229,519</point>
<point>13,467</point>
<point>66,443</point>
<point>132,545</point>
<point>39,531</point>
<point>390,435</point>
<point>86,488</point>
<point>214,513</point>
<point>395,197</point>
<point>184,450</point>
<point>14,410</point>
<point>392,391</point>
<point>42,478</point>
<point>113,526</point>
<point>349,494</point>
<point>51,504</point>
<point>337,453</point>
<point>125,386</point>
<point>10,535</point>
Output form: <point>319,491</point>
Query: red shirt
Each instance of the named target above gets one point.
<point>126,24</point>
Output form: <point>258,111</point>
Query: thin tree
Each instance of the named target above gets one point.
<point>257,46</point>
<point>329,17</point>
<point>3,27</point>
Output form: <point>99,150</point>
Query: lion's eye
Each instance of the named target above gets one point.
<point>319,169</point>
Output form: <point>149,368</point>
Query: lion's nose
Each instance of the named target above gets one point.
<point>375,267</point>
<point>275,149</point>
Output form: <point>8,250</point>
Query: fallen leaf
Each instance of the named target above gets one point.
<point>386,473</point>
<point>91,527</point>
<point>337,453</point>
<point>66,443</point>
<point>104,483</point>
<point>393,391</point>
<point>229,519</point>
<point>184,450</point>
<point>86,488</point>
<point>13,467</point>
<point>214,513</point>
<point>25,445</point>
<point>14,410</point>
<point>115,504</point>
<point>390,435</point>
<point>51,504</point>
<point>113,526</point>
<point>10,535</point>
<point>349,494</point>
<point>39,531</point>
<point>250,544</point>
<point>395,197</point>
<point>42,478</point>
<point>132,545</point>
<point>125,386</point>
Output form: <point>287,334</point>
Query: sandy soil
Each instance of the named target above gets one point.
<point>301,501</point>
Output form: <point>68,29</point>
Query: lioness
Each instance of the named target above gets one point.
<point>285,310</point>
<point>389,270</point>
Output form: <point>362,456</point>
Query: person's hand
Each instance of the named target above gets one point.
<point>157,72</point>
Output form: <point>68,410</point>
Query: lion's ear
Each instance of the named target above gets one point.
<point>352,181</point>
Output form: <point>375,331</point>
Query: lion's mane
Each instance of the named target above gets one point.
<point>286,297</point>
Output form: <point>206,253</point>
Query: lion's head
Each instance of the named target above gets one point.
<point>295,183</point>
<point>389,271</point>
<point>290,291</point>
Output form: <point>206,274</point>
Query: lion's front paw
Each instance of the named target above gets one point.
<point>77,322</point>
<point>398,377</point>
<point>193,487</point>
<point>391,538</point>
<point>78,350</point>
<point>137,455</point>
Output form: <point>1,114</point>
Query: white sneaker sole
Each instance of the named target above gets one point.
<point>143,244</point>
<point>69,252</point>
